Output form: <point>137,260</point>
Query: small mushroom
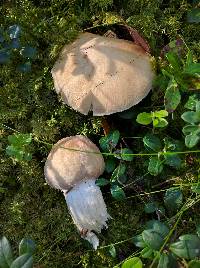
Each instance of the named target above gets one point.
<point>102,74</point>
<point>72,166</point>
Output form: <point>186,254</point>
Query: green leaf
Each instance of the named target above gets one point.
<point>138,241</point>
<point>26,246</point>
<point>160,122</point>
<point>172,96</point>
<point>110,141</point>
<point>152,239</point>
<point>193,129</point>
<point>14,31</point>
<point>189,58</point>
<point>23,261</point>
<point>193,16</point>
<point>155,166</point>
<point>117,192</point>
<point>25,67</point>
<point>118,172</point>
<point>152,142</point>
<point>110,165</point>
<point>102,182</point>
<point>125,154</point>
<point>172,160</point>
<point>112,251</point>
<point>147,253</point>
<point>174,61</point>
<point>191,117</point>
<point>20,139</point>
<point>188,247</point>
<point>6,256</point>
<point>195,188</point>
<point>161,113</point>
<point>191,103</point>
<point>134,262</point>
<point>191,140</point>
<point>194,264</point>
<point>150,207</point>
<point>193,69</point>
<point>167,261</point>
<point>158,227</point>
<point>173,199</point>
<point>28,52</point>
<point>144,118</point>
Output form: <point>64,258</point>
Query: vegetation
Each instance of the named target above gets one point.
<point>151,181</point>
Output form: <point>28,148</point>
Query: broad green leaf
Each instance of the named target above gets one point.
<point>147,253</point>
<point>6,255</point>
<point>112,251</point>
<point>161,113</point>
<point>172,145</point>
<point>152,142</point>
<point>110,141</point>
<point>117,192</point>
<point>138,241</point>
<point>26,246</point>
<point>28,52</point>
<point>193,129</point>
<point>110,165</point>
<point>118,172</point>
<point>14,151</point>
<point>189,58</point>
<point>158,227</point>
<point>193,16</point>
<point>166,260</point>
<point>155,166</point>
<point>23,261</point>
<point>174,61</point>
<point>194,264</point>
<point>144,118</point>
<point>150,207</point>
<point>172,96</point>
<point>102,182</point>
<point>192,140</point>
<point>191,103</point>
<point>126,154</point>
<point>173,199</point>
<point>153,239</point>
<point>172,160</point>
<point>188,247</point>
<point>191,117</point>
<point>193,69</point>
<point>20,139</point>
<point>14,31</point>
<point>160,122</point>
<point>196,188</point>
<point>134,262</point>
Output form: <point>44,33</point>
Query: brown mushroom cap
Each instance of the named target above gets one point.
<point>102,74</point>
<point>64,168</point>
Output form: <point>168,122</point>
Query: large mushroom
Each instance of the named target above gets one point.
<point>72,166</point>
<point>102,74</point>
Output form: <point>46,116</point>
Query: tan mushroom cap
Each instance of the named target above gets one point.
<point>102,74</point>
<point>64,168</point>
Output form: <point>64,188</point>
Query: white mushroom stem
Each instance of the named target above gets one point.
<point>88,209</point>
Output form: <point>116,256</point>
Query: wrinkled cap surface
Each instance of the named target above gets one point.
<point>102,74</point>
<point>66,166</point>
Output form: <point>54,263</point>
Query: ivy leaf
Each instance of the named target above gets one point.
<point>138,241</point>
<point>125,154</point>
<point>147,252</point>
<point>117,192</point>
<point>14,31</point>
<point>193,129</point>
<point>110,165</point>
<point>173,199</point>
<point>23,261</point>
<point>6,256</point>
<point>102,182</point>
<point>191,117</point>
<point>152,142</point>
<point>155,166</point>
<point>26,246</point>
<point>112,251</point>
<point>167,260</point>
<point>172,96</point>
<point>118,172</point>
<point>134,262</point>
<point>188,247</point>
<point>110,141</point>
<point>144,118</point>
<point>158,227</point>
<point>20,139</point>
<point>28,52</point>
<point>152,239</point>
<point>193,16</point>
<point>191,140</point>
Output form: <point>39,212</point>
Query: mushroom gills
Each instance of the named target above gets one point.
<point>88,209</point>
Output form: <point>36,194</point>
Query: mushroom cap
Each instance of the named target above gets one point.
<point>102,74</point>
<point>66,166</point>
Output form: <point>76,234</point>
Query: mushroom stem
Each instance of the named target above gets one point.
<point>88,209</point>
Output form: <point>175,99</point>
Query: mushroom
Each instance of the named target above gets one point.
<point>72,166</point>
<point>102,74</point>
